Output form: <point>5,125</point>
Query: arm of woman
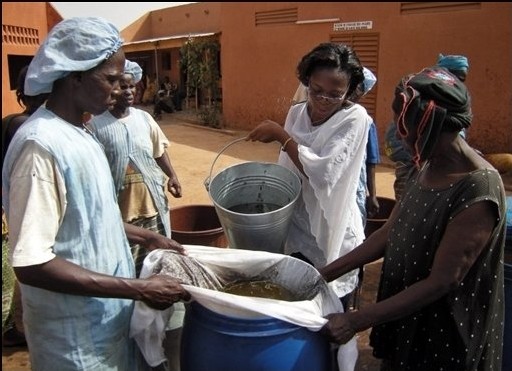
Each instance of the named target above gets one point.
<point>372,202</point>
<point>173,184</point>
<point>151,240</point>
<point>269,131</point>
<point>457,252</point>
<point>160,145</point>
<point>370,250</point>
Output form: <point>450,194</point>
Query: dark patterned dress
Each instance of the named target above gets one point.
<point>464,329</point>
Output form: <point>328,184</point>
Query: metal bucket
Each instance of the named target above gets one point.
<point>255,202</point>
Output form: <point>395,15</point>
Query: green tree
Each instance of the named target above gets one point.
<point>199,62</point>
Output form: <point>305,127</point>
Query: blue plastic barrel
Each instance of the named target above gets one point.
<point>215,342</point>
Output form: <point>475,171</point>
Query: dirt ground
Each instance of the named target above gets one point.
<point>193,152</point>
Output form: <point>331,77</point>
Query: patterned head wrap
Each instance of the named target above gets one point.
<point>430,102</point>
<point>133,69</point>
<point>453,62</point>
<point>74,44</point>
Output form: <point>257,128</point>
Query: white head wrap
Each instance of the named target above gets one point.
<point>369,80</point>
<point>133,69</point>
<point>74,44</point>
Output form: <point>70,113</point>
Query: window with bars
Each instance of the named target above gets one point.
<point>276,17</point>
<point>435,7</point>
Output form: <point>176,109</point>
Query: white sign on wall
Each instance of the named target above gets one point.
<point>347,26</point>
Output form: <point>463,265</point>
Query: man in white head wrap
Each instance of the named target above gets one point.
<point>68,245</point>
<point>71,46</point>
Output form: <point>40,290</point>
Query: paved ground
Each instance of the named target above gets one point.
<point>193,152</point>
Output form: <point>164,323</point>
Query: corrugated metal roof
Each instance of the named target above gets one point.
<point>174,37</point>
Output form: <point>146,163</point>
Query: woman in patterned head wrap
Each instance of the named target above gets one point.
<point>458,65</point>
<point>68,245</point>
<point>427,104</point>
<point>440,299</point>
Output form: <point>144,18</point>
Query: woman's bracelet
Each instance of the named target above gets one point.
<point>283,147</point>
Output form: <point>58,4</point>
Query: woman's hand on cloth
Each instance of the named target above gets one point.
<point>339,328</point>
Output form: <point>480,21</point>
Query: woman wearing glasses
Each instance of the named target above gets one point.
<point>324,142</point>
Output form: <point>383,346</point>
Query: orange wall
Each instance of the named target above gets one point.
<point>258,63</point>
<point>24,15</point>
<point>179,20</point>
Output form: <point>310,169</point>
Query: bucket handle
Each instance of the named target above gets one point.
<point>207,180</point>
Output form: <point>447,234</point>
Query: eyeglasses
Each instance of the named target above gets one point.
<point>320,97</point>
